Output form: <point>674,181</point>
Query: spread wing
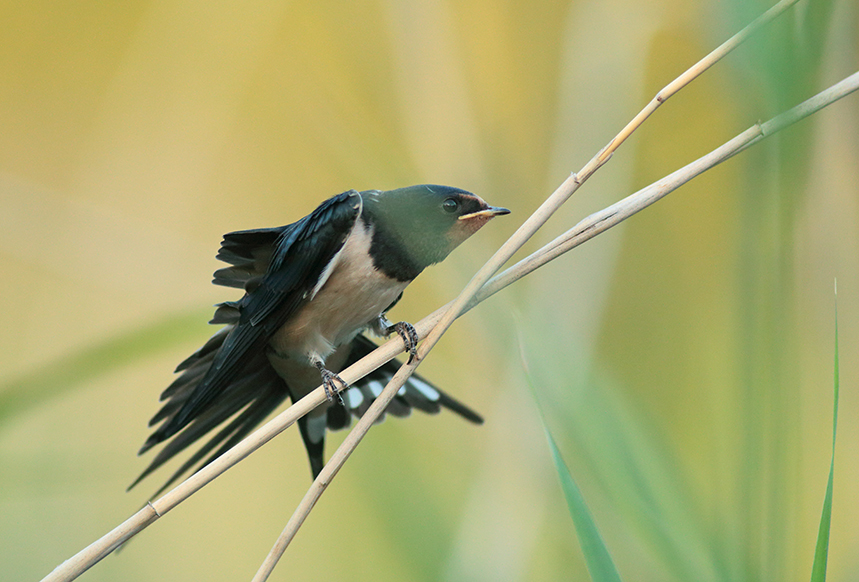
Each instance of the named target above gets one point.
<point>295,257</point>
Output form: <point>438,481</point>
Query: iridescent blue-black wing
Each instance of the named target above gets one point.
<point>296,256</point>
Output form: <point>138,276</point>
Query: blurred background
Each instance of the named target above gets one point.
<point>684,359</point>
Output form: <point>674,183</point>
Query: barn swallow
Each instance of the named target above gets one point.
<point>312,289</point>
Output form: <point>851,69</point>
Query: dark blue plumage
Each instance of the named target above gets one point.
<point>311,288</point>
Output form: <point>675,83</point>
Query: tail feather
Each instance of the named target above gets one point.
<point>249,252</point>
<point>253,394</point>
<point>236,430</point>
<point>314,442</point>
<point>207,352</point>
<point>417,392</point>
<point>257,391</point>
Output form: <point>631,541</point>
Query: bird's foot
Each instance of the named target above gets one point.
<point>410,337</point>
<point>328,379</point>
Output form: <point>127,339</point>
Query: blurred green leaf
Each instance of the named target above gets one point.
<point>597,557</point>
<point>74,370</point>
<point>600,564</point>
<point>821,552</point>
<point>625,455</point>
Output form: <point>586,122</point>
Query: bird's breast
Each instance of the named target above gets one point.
<point>351,295</point>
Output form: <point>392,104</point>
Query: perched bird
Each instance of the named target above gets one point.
<point>312,288</point>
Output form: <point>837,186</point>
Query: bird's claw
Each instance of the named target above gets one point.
<point>410,337</point>
<point>328,379</point>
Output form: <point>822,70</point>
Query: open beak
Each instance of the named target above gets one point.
<point>486,213</point>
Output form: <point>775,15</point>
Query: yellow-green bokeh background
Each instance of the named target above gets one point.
<point>684,359</point>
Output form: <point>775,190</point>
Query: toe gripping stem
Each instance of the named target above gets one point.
<point>409,335</point>
<point>328,379</point>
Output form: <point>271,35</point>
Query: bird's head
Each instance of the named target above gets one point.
<point>421,225</point>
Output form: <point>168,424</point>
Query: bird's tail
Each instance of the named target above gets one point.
<point>417,393</point>
<point>253,394</point>
<point>257,391</point>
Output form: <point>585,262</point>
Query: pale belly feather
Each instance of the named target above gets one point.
<point>352,297</point>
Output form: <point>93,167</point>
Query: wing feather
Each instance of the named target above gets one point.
<point>300,253</point>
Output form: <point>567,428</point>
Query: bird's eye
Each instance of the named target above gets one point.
<point>450,205</point>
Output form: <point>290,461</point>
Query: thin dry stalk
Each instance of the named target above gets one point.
<point>571,184</point>
<point>331,468</point>
<point>698,68</point>
<point>601,221</point>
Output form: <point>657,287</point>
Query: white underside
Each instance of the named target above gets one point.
<point>352,296</point>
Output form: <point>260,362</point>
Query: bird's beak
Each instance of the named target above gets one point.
<point>485,213</point>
